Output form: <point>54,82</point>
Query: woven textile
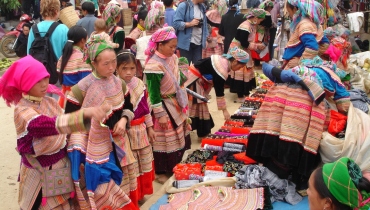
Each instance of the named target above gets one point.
<point>249,27</point>
<point>289,112</point>
<point>258,13</point>
<point>345,47</point>
<point>136,33</point>
<point>341,178</point>
<point>94,48</point>
<point>154,15</point>
<point>306,8</point>
<point>220,65</point>
<point>266,4</point>
<point>217,198</point>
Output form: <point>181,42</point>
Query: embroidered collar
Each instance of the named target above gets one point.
<point>140,27</point>
<point>33,99</point>
<point>160,55</point>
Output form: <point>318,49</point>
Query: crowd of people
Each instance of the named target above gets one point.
<point>118,112</point>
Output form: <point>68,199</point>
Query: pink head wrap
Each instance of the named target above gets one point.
<point>333,52</point>
<point>21,77</point>
<point>163,34</point>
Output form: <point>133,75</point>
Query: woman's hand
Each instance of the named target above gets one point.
<point>163,122</point>
<point>261,46</point>
<point>226,114</point>
<point>151,134</point>
<point>98,113</point>
<point>120,127</point>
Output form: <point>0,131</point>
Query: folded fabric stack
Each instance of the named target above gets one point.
<point>359,100</point>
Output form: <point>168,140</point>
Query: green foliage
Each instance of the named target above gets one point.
<point>9,5</point>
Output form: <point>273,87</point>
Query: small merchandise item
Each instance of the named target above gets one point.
<point>214,174</point>
<point>337,123</point>
<point>196,177</point>
<point>212,148</point>
<point>184,183</point>
<point>232,167</point>
<point>182,170</point>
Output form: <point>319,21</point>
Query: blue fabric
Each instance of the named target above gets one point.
<point>279,205</point>
<point>58,38</point>
<point>96,174</point>
<point>179,20</point>
<point>324,40</point>
<point>168,16</point>
<point>87,23</point>
<point>72,79</point>
<point>267,70</point>
<point>331,85</point>
<point>286,76</point>
<point>77,158</point>
<point>208,76</point>
<point>306,41</point>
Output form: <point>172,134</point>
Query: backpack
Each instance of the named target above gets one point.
<point>42,50</point>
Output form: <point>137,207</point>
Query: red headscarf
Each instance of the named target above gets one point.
<point>21,77</point>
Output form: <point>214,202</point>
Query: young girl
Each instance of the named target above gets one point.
<point>99,32</point>
<point>201,77</point>
<point>169,102</point>
<point>141,132</point>
<point>41,130</point>
<point>101,157</point>
<point>138,24</point>
<point>71,65</point>
<point>243,81</point>
<point>112,15</point>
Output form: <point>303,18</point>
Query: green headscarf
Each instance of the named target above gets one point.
<point>266,4</point>
<point>94,48</point>
<point>259,13</point>
<point>110,13</point>
<point>341,178</point>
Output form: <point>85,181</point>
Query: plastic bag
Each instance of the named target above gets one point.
<point>337,123</point>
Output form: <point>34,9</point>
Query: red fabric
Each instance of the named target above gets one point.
<point>130,206</point>
<point>256,55</point>
<point>214,32</point>
<point>240,130</point>
<point>182,170</point>
<point>242,157</point>
<point>134,196</point>
<point>137,121</point>
<point>220,142</point>
<point>145,183</point>
<point>61,100</point>
<point>337,123</point>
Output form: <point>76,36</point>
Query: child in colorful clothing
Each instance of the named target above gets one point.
<point>141,132</point>
<point>112,15</point>
<point>99,32</point>
<point>71,66</point>
<point>41,130</point>
<point>101,150</point>
<point>201,77</point>
<point>168,99</point>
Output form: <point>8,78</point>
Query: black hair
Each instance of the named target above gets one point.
<point>141,15</point>
<point>75,34</point>
<point>290,6</point>
<point>233,2</point>
<point>27,25</point>
<point>167,3</point>
<point>125,56</point>
<point>323,191</point>
<point>89,7</point>
<point>233,59</point>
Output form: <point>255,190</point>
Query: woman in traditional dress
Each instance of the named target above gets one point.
<point>287,131</point>
<point>155,18</point>
<point>41,132</point>
<point>339,185</point>
<point>138,29</point>
<point>201,77</point>
<point>243,81</point>
<point>104,151</point>
<point>141,132</point>
<point>168,99</point>
<point>307,38</point>
<point>111,16</point>
<point>214,40</point>
<point>71,66</point>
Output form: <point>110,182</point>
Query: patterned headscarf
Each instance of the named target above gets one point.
<point>306,8</point>
<point>341,178</point>
<point>154,15</point>
<point>222,7</point>
<point>259,13</point>
<point>163,34</point>
<point>94,48</point>
<point>266,4</point>
<point>21,77</point>
<point>238,54</point>
<point>110,13</point>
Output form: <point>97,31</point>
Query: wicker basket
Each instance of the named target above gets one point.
<point>127,17</point>
<point>244,11</point>
<point>68,16</point>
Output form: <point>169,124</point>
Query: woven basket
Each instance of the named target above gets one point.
<point>244,11</point>
<point>68,16</point>
<point>127,17</point>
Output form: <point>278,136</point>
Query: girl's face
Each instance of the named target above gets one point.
<point>168,49</point>
<point>235,65</point>
<point>40,88</point>
<point>105,63</point>
<point>314,199</point>
<point>127,71</point>
<point>291,11</point>
<point>141,22</point>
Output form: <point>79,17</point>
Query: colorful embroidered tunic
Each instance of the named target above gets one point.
<point>95,148</point>
<point>117,35</point>
<point>75,70</point>
<point>41,131</point>
<point>306,42</point>
<point>137,32</point>
<point>170,143</point>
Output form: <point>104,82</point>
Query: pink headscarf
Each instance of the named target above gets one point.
<point>163,34</point>
<point>21,77</point>
<point>333,52</point>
